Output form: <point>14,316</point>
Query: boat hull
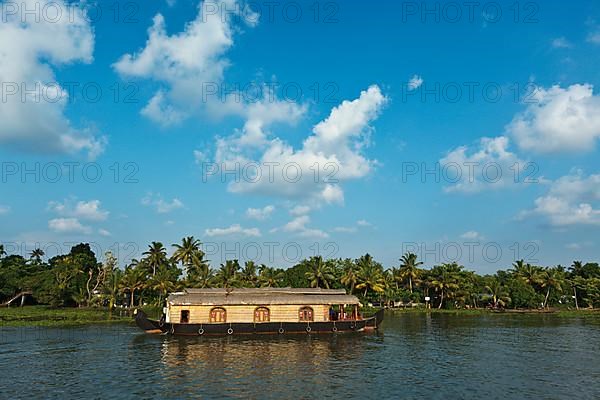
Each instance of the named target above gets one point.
<point>263,328</point>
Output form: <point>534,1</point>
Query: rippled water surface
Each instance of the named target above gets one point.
<point>414,356</point>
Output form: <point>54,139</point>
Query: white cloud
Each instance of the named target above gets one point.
<point>558,120</point>
<point>161,206</point>
<point>4,209</point>
<point>86,210</point>
<point>260,213</point>
<point>561,43</point>
<point>571,200</point>
<point>200,156</point>
<point>68,225</point>
<point>29,52</point>
<point>298,226</point>
<point>331,155</point>
<point>300,210</point>
<point>471,235</point>
<point>104,232</point>
<point>489,166</point>
<point>186,62</point>
<point>594,37</point>
<point>415,82</point>
<point>235,229</point>
<point>363,222</point>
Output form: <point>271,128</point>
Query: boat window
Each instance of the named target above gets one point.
<point>262,314</point>
<point>306,314</point>
<point>185,316</point>
<point>218,314</point>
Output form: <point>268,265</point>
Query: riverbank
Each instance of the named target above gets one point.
<point>59,317</point>
<point>65,317</point>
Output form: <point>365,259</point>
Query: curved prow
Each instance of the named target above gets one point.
<point>148,325</point>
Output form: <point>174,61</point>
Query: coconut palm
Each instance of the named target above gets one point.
<point>227,275</point>
<point>370,275</point>
<point>112,285</point>
<point>164,281</point>
<point>156,256</point>
<point>409,269</point>
<point>349,276</point>
<point>269,277</point>
<point>133,279</point>
<point>528,273</point>
<point>248,274</point>
<point>188,253</point>
<point>551,278</point>
<point>444,280</point>
<point>36,255</point>
<point>2,251</point>
<point>320,273</point>
<point>498,292</point>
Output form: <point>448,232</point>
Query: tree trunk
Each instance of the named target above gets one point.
<point>546,299</point>
<point>410,284</point>
<point>366,289</point>
<point>441,300</point>
<point>132,296</point>
<point>575,293</point>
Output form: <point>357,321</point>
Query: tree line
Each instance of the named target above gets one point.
<point>78,279</point>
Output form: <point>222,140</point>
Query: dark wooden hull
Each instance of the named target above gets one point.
<point>273,328</point>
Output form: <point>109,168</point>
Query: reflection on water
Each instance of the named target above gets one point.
<point>416,356</point>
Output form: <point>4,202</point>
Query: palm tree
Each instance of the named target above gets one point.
<point>155,256</point>
<point>227,276</point>
<point>132,280</point>
<point>248,274</point>
<point>551,278</point>
<point>370,275</point>
<point>498,292</point>
<point>349,277</point>
<point>188,253</point>
<point>163,282</point>
<point>111,286</point>
<point>409,269</point>
<point>269,277</point>
<point>528,273</point>
<point>319,273</point>
<point>37,255</point>
<point>445,280</point>
<point>2,251</point>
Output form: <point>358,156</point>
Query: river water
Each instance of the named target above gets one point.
<point>414,356</point>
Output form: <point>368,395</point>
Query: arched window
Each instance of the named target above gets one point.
<point>262,314</point>
<point>306,314</point>
<point>218,314</point>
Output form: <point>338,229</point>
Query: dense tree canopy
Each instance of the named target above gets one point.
<point>78,279</point>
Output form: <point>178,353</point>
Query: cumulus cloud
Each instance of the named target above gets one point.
<point>4,209</point>
<point>260,213</point>
<point>558,120</point>
<point>160,205</point>
<point>332,154</point>
<point>235,229</point>
<point>186,63</point>
<point>471,235</point>
<point>571,200</point>
<point>104,232</point>
<point>86,210</point>
<point>415,82</point>
<point>299,227</point>
<point>490,165</point>
<point>68,225</point>
<point>33,118</point>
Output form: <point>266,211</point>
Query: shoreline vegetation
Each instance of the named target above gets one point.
<point>75,288</point>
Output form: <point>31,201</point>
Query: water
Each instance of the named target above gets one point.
<point>414,356</point>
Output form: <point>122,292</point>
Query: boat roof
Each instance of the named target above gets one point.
<point>261,296</point>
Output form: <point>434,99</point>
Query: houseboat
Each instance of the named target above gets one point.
<point>243,311</point>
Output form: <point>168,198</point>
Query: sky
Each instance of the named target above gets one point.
<point>278,130</point>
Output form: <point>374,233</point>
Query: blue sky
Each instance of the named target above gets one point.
<point>160,97</point>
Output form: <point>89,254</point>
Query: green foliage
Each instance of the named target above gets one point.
<point>78,279</point>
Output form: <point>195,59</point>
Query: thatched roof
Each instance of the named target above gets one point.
<point>261,296</point>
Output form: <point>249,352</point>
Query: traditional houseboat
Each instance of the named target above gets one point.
<point>234,311</point>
